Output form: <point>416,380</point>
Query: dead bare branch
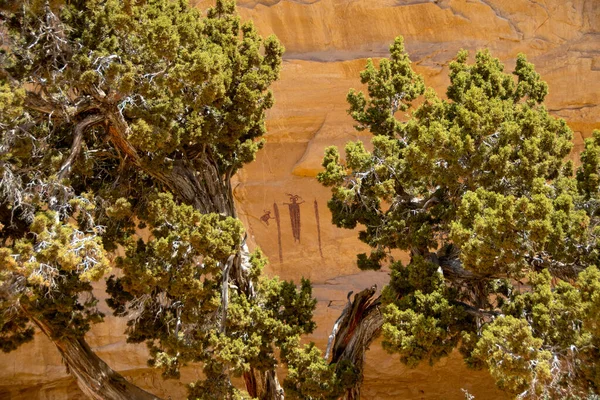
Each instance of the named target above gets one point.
<point>79,129</point>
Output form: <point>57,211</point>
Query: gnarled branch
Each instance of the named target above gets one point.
<point>79,129</point>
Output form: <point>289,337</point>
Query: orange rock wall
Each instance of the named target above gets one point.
<point>327,42</point>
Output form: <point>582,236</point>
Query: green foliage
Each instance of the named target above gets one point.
<point>122,124</point>
<point>497,233</point>
<point>562,319</point>
<point>421,321</point>
<point>476,188</point>
<point>172,284</point>
<point>513,357</point>
<point>310,376</point>
<point>391,88</point>
<point>214,387</point>
<point>47,276</point>
<point>587,176</point>
<point>547,343</point>
<point>183,82</point>
<point>407,190</point>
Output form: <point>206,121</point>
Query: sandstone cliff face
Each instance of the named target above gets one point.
<point>327,43</point>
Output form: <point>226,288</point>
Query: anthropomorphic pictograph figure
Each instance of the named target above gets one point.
<point>294,207</point>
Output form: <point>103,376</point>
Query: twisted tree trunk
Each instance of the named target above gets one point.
<point>263,385</point>
<point>361,321</point>
<point>94,377</point>
<point>353,333</point>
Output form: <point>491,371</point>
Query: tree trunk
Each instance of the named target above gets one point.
<point>94,377</point>
<point>353,333</point>
<point>208,190</point>
<point>265,387</point>
<point>273,390</point>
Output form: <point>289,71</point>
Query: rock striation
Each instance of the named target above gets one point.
<point>284,207</point>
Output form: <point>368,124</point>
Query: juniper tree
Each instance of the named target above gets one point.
<point>122,125</point>
<point>501,235</point>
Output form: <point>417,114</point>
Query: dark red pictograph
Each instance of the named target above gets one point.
<point>278,221</point>
<point>318,226</point>
<point>294,207</point>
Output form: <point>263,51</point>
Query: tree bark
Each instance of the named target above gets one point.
<point>353,333</point>
<point>263,385</point>
<point>273,390</point>
<point>204,189</point>
<point>94,377</point>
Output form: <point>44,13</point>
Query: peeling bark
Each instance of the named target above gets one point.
<point>250,383</point>
<point>354,331</point>
<point>361,321</point>
<point>273,390</point>
<point>263,385</point>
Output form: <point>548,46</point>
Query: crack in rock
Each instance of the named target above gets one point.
<point>504,17</point>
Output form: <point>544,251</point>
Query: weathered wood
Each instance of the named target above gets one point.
<point>273,390</point>
<point>263,385</point>
<point>78,132</point>
<point>94,377</point>
<point>354,331</point>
